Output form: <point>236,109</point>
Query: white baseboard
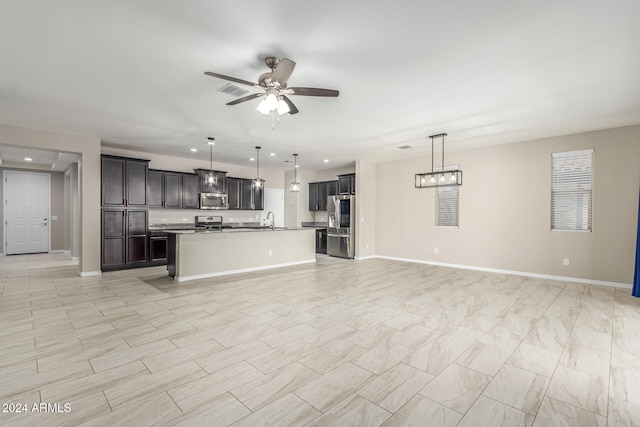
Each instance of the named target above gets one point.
<point>57,251</point>
<point>75,258</point>
<point>90,273</point>
<point>241,270</point>
<point>362,258</point>
<point>515,273</point>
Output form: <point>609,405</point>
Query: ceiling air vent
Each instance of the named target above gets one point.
<point>233,90</point>
<point>404,147</point>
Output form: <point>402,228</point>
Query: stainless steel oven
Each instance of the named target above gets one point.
<point>214,201</point>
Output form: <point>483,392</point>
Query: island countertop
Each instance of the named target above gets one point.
<point>196,254</point>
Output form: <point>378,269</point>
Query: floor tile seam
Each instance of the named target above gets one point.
<point>280,389</point>
<point>512,407</point>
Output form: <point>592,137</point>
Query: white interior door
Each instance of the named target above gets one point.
<point>274,202</point>
<point>26,212</point>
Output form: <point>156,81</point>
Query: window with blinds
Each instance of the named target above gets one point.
<point>571,183</point>
<point>447,202</point>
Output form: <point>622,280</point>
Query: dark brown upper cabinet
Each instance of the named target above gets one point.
<point>347,184</point>
<point>318,193</point>
<point>190,191</point>
<point>124,181</point>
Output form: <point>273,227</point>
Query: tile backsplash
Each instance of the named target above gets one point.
<point>179,216</point>
<point>320,216</point>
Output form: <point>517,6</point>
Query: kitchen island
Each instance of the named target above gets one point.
<point>197,254</point>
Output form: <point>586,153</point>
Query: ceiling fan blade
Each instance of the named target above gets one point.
<point>292,108</point>
<point>245,98</point>
<point>231,79</point>
<point>283,71</point>
<point>313,91</point>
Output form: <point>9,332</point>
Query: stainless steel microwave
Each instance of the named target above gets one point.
<point>214,201</point>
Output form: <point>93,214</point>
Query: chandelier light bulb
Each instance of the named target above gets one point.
<point>283,107</point>
<point>263,108</point>
<point>271,102</point>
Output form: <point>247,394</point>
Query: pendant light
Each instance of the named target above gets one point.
<point>211,179</point>
<point>294,187</point>
<point>441,178</point>
<point>258,182</point>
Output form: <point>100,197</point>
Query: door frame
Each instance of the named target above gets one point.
<point>4,205</point>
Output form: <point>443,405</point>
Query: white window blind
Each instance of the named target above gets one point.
<point>447,202</point>
<point>571,182</point>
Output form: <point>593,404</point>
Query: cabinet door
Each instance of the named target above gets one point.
<point>113,179</point>
<point>221,183</point>
<point>344,184</point>
<point>136,236</point>
<point>190,191</point>
<point>136,223</point>
<point>136,182</point>
<point>323,192</point>
<point>333,188</point>
<point>313,196</point>
<point>233,190</point>
<point>136,249</point>
<point>113,238</point>
<point>246,194</point>
<point>172,190</point>
<point>156,189</point>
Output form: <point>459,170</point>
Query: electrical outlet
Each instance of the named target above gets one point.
<point>565,262</point>
<point>270,252</point>
<point>436,250</point>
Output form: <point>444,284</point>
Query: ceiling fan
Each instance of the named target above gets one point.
<point>272,86</point>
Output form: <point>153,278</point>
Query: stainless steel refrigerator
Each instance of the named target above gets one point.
<point>341,229</point>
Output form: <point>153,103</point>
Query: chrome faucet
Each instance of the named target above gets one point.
<point>273,219</point>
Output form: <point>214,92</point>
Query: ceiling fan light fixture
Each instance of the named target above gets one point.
<point>263,108</point>
<point>283,107</point>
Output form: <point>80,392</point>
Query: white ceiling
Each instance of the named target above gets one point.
<point>132,73</point>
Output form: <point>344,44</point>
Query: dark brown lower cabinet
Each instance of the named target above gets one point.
<point>124,238</point>
<point>321,240</point>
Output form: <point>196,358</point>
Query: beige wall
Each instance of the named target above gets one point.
<point>505,209</point>
<point>365,208</point>
<point>273,178</point>
<point>89,174</point>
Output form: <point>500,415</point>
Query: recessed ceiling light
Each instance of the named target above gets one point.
<point>193,150</point>
<point>272,154</point>
<point>28,159</point>
<point>251,159</point>
<point>326,160</point>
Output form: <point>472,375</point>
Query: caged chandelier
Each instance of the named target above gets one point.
<point>211,179</point>
<point>294,187</point>
<point>442,178</point>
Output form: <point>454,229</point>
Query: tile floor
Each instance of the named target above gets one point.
<point>341,343</point>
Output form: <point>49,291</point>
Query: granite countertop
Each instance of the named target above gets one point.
<point>192,226</point>
<point>233,230</point>
<point>315,224</point>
